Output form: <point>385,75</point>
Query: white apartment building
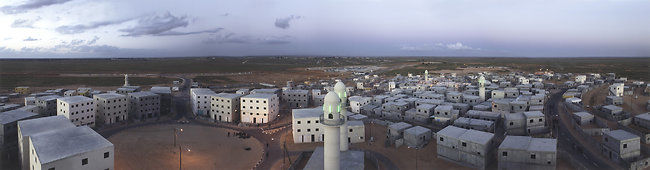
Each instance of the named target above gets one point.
<point>296,98</point>
<point>259,108</point>
<point>224,107</point>
<point>70,148</point>
<point>356,102</point>
<point>111,107</point>
<point>28,128</point>
<point>143,105</point>
<point>79,109</point>
<point>200,100</point>
<point>306,127</point>
<point>9,132</point>
<point>47,105</point>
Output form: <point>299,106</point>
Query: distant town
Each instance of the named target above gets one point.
<point>354,116</point>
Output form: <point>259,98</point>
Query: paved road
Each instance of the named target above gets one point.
<point>566,141</point>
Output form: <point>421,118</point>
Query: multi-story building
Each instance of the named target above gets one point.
<point>47,105</point>
<point>525,152</point>
<point>306,127</point>
<point>27,128</point>
<point>259,107</point>
<point>616,89</point>
<point>111,108</point>
<point>79,109</point>
<point>70,148</point>
<point>165,94</point>
<point>535,122</point>
<point>200,100</point>
<point>469,147</point>
<point>224,107</point>
<point>143,105</point>
<point>296,98</point>
<point>9,132</point>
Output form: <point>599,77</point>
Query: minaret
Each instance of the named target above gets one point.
<point>426,75</point>
<point>332,122</point>
<point>339,88</point>
<point>126,79</point>
<point>481,88</point>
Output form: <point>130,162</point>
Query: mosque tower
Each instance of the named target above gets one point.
<point>426,75</point>
<point>332,121</point>
<point>481,88</point>
<point>339,88</point>
<point>126,79</point>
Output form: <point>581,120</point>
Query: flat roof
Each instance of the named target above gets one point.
<point>612,107</point>
<point>295,91</point>
<point>15,115</point>
<point>355,123</point>
<point>530,114</point>
<point>350,160</point>
<point>529,144</point>
<point>75,99</point>
<point>307,113</point>
<point>476,136</point>
<point>515,116</point>
<point>426,106</point>
<point>472,121</point>
<point>445,107</point>
<point>202,91</point>
<point>417,130</point>
<point>109,95</point>
<point>58,144</point>
<point>160,89</point>
<point>452,131</point>
<point>543,144</point>
<point>585,114</point>
<point>142,94</point>
<point>644,116</point>
<point>399,126</point>
<point>621,135</point>
<point>260,95</point>
<point>48,97</point>
<point>38,125</point>
<point>228,95</point>
<point>358,116</point>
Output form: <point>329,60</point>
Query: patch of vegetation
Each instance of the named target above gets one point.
<point>213,79</point>
<point>9,81</point>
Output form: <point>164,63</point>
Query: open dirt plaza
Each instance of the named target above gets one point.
<point>151,147</point>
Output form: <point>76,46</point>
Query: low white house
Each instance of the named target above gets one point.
<point>524,152</point>
<point>70,148</point>
<point>28,128</point>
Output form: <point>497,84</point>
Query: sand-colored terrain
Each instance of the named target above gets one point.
<point>151,147</point>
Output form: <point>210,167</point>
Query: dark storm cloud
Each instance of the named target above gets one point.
<point>232,38</point>
<point>284,22</point>
<point>30,5</point>
<point>172,33</point>
<point>30,39</point>
<point>156,25</point>
<point>76,29</point>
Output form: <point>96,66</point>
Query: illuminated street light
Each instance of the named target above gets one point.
<point>176,132</point>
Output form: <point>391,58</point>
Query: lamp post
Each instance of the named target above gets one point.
<point>180,157</point>
<point>176,131</point>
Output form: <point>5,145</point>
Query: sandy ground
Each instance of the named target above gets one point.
<point>631,104</point>
<point>209,148</point>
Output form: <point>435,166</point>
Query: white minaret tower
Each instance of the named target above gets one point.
<point>481,88</point>
<point>332,121</point>
<point>339,88</point>
<point>426,75</point>
<point>126,79</point>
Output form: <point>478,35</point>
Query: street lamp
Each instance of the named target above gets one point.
<point>180,157</point>
<point>417,148</point>
<point>176,132</point>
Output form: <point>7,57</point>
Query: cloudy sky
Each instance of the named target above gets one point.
<point>170,28</point>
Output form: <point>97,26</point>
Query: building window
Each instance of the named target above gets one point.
<point>464,144</point>
<point>106,154</point>
<point>532,156</point>
<point>625,145</point>
<point>504,154</point>
<point>298,130</point>
<point>84,161</point>
<point>350,130</point>
<point>50,168</point>
<point>442,139</point>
